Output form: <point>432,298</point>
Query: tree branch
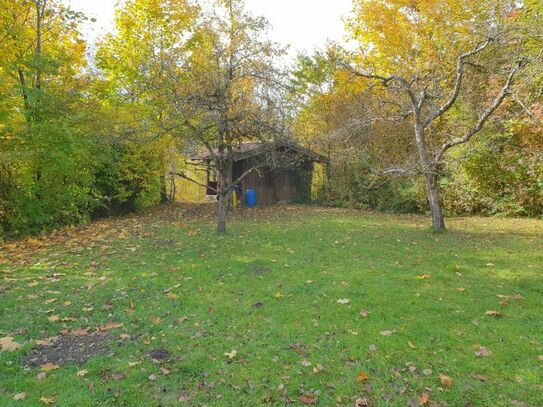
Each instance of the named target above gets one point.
<point>457,83</point>
<point>505,91</point>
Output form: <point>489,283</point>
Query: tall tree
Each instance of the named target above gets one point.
<point>434,57</point>
<point>228,91</point>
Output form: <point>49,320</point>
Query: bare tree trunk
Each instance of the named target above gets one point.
<point>431,178</point>
<point>221,213</point>
<point>432,188</point>
<point>222,195</point>
<point>24,90</point>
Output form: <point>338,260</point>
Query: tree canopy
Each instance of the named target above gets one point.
<point>433,105</point>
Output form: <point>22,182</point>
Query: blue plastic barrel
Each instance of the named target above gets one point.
<point>250,198</point>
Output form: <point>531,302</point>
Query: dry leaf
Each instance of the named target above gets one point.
<point>154,320</point>
<point>48,400</point>
<point>41,376</point>
<point>446,381</point>
<point>48,367</point>
<point>172,296</point>
<point>278,295</point>
<point>495,314</point>
<point>7,344</point>
<point>411,345</point>
<point>19,396</point>
<point>388,333</point>
<point>481,378</point>
<point>53,318</point>
<point>423,399</point>
<point>231,355</point>
<point>483,352</point>
<point>109,326</point>
<point>308,399</point>
<point>362,377</point>
<point>80,332</point>
<point>364,314</point>
<point>461,289</point>
<point>424,277</point>
<point>165,371</point>
<point>305,363</point>
<point>47,341</point>
<point>82,373</point>
<point>152,377</point>
<point>343,301</point>
<point>540,358</point>
<point>361,402</point>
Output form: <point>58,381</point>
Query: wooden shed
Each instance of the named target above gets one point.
<point>283,171</point>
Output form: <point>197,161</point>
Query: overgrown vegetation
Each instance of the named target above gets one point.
<point>375,309</point>
<point>80,140</point>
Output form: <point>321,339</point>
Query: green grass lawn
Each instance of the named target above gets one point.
<point>253,318</point>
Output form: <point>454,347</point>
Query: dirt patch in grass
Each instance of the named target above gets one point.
<point>159,355</point>
<point>70,350</point>
<point>261,270</point>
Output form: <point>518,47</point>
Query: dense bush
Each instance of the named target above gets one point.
<point>502,175</point>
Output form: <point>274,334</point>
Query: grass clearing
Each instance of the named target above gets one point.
<point>271,313</point>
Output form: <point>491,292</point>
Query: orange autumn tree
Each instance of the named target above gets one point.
<point>438,60</point>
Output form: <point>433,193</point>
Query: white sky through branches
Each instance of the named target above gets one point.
<point>303,24</point>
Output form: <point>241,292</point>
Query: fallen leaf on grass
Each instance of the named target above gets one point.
<point>318,368</point>
<point>41,376</point>
<point>446,381</point>
<point>343,301</point>
<point>82,373</point>
<point>165,371</point>
<point>172,296</point>
<point>47,341</point>
<point>109,326</point>
<point>19,396</point>
<point>80,331</point>
<point>364,314</point>
<point>46,367</point>
<point>424,277</point>
<point>481,378</point>
<point>278,295</point>
<point>305,363</point>
<point>483,352</point>
<point>495,314</point>
<point>362,377</point>
<point>7,344</point>
<point>308,399</point>
<point>540,358</point>
<point>152,377</point>
<point>388,332</point>
<point>118,376</point>
<point>48,400</point>
<point>154,320</point>
<point>361,402</point>
<point>423,399</point>
<point>411,345</point>
<point>53,318</point>
<point>231,355</point>
<point>461,289</point>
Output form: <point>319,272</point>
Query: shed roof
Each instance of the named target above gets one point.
<point>254,148</point>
